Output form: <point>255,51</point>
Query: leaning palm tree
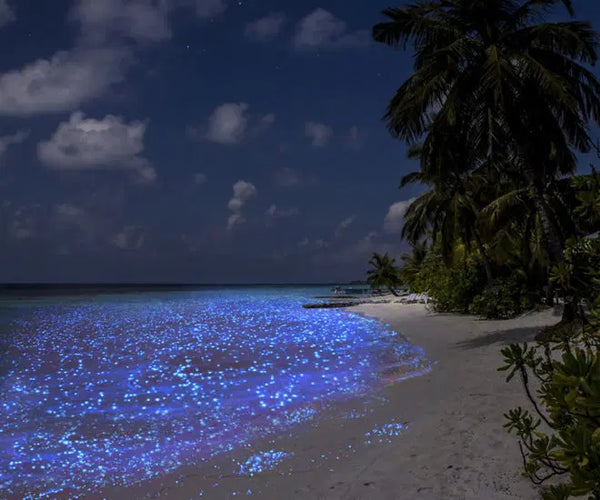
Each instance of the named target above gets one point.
<point>512,93</point>
<point>383,273</point>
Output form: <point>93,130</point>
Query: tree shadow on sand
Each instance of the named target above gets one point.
<point>502,337</point>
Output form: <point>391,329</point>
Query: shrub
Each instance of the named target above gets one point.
<point>452,285</point>
<point>562,436</point>
<point>504,298</point>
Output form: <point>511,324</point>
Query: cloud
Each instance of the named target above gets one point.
<point>243,192</point>
<point>359,251</point>
<point>394,219</point>
<point>289,177</point>
<point>199,179</point>
<point>85,143</point>
<point>10,140</point>
<point>322,30</point>
<point>235,219</point>
<point>26,222</point>
<point>61,83</point>
<point>139,20</point>
<point>228,124</point>
<point>266,28</point>
<point>342,226</point>
<point>355,138</point>
<point>274,213</point>
<point>210,8</point>
<point>267,120</point>
<point>7,14</point>
<point>317,244</point>
<point>129,238</point>
<point>319,133</point>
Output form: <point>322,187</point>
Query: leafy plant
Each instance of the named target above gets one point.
<point>383,273</point>
<point>505,298</point>
<point>561,437</point>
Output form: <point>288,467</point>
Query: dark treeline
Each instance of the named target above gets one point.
<point>500,105</point>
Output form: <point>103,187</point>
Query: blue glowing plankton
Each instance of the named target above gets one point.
<point>114,390</point>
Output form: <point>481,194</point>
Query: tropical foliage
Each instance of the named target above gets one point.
<point>562,436</point>
<point>383,273</point>
<point>496,110</point>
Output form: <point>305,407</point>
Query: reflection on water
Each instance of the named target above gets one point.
<point>119,389</point>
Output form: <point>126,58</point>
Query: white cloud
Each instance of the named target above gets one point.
<point>355,138</point>
<point>321,30</point>
<point>235,219</point>
<point>243,192</point>
<point>394,219</point>
<point>129,238</point>
<point>144,172</point>
<point>7,14</point>
<point>10,140</point>
<point>267,120</point>
<point>342,226</point>
<point>273,213</point>
<point>61,83</point>
<point>228,124</point>
<point>210,8</point>
<point>67,211</point>
<point>199,178</point>
<point>140,20</point>
<point>319,133</point>
<point>267,27</point>
<point>86,143</point>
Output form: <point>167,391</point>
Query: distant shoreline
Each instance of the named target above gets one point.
<point>15,290</point>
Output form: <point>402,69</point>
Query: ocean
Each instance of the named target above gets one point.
<point>113,389</point>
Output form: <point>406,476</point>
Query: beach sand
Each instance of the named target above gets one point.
<point>454,447</point>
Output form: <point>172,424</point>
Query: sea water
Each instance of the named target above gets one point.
<point>112,390</point>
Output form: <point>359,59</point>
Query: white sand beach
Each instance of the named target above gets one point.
<point>454,447</point>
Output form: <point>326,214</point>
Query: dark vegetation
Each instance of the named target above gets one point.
<point>498,107</point>
<point>501,105</point>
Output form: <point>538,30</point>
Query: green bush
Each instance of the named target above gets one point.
<point>452,286</point>
<point>504,298</point>
<point>561,438</point>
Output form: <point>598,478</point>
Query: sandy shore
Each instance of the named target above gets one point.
<point>454,447</point>
<point>457,447</point>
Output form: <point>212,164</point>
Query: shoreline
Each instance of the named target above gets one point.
<point>452,444</point>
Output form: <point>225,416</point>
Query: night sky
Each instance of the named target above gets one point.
<point>198,141</point>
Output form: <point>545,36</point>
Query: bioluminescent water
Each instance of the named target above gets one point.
<point>114,390</point>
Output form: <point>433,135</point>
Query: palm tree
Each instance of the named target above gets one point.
<point>510,93</point>
<point>449,212</point>
<point>383,272</point>
<point>413,261</point>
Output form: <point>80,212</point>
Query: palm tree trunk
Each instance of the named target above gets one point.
<point>554,244</point>
<point>484,258</point>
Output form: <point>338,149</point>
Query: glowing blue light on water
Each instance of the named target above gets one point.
<point>120,389</point>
